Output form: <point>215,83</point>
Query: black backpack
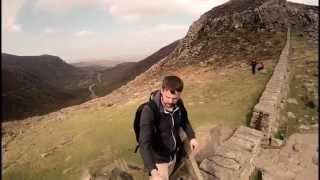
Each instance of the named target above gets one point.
<point>136,122</point>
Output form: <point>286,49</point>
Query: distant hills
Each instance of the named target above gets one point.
<point>115,77</point>
<point>103,63</point>
<point>35,85</point>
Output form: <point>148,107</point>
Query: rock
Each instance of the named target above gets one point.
<point>203,64</point>
<point>68,158</point>
<point>86,175</point>
<point>297,147</point>
<point>109,104</point>
<point>291,115</point>
<point>304,127</point>
<point>292,101</point>
<point>209,138</point>
<point>295,160</point>
<point>118,174</point>
<point>268,43</point>
<point>44,155</point>
<point>315,159</point>
<point>222,73</point>
<point>67,170</point>
<point>276,142</point>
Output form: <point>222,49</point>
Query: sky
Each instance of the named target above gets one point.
<point>77,30</point>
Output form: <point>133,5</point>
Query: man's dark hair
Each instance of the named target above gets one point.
<point>172,83</point>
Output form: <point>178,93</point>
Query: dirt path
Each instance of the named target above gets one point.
<point>92,95</point>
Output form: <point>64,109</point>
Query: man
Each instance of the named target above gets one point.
<point>158,148</point>
<point>253,66</point>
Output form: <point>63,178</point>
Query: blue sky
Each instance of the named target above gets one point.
<point>77,30</point>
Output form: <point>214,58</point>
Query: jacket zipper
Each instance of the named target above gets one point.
<point>174,139</point>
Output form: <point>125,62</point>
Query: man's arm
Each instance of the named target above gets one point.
<point>145,138</point>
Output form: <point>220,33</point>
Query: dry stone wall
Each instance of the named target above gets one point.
<point>266,113</point>
<point>233,160</point>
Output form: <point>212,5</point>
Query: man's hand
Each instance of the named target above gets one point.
<point>155,175</point>
<point>194,146</point>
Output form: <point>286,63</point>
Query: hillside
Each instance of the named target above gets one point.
<point>115,77</point>
<point>34,85</point>
<point>50,68</point>
<point>88,140</point>
<point>101,63</point>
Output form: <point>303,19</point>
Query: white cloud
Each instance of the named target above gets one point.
<point>83,33</point>
<point>132,10</point>
<point>15,28</point>
<point>49,30</point>
<point>143,8</point>
<point>10,10</point>
<point>64,6</point>
<point>149,39</point>
<point>166,27</point>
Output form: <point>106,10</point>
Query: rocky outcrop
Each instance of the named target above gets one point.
<point>266,113</point>
<point>297,160</point>
<point>230,22</point>
<point>304,19</point>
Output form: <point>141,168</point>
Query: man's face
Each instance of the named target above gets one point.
<point>168,99</point>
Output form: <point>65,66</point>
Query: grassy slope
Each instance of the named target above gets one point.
<point>303,65</point>
<point>210,98</point>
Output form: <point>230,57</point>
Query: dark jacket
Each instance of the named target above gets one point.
<point>160,145</point>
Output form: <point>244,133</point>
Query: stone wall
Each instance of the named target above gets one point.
<point>233,160</point>
<point>266,113</point>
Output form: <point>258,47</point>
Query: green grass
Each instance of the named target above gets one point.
<point>304,58</point>
<point>101,134</point>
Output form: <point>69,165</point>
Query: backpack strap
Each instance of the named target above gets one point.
<point>153,106</point>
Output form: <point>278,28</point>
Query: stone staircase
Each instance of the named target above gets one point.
<point>234,158</point>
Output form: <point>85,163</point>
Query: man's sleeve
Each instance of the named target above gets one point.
<point>145,138</point>
<point>186,126</point>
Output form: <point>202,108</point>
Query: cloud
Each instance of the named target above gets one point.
<point>10,10</point>
<point>139,9</point>
<point>60,7</point>
<point>10,26</point>
<point>149,39</point>
<point>83,33</point>
<point>132,10</point>
<point>167,27</point>
<point>15,28</point>
<point>50,30</point>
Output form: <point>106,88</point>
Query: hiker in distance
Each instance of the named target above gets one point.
<point>253,64</point>
<point>160,121</point>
